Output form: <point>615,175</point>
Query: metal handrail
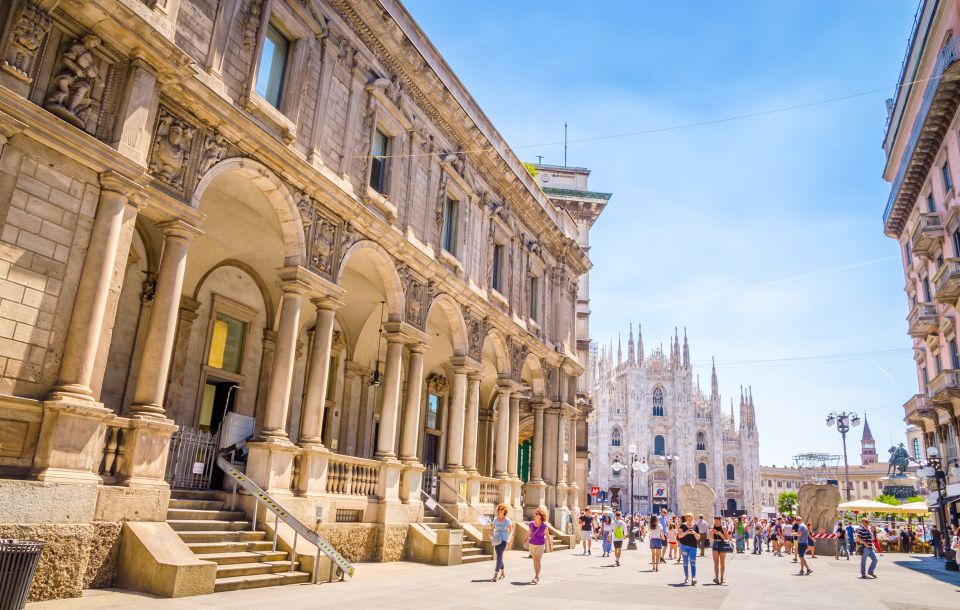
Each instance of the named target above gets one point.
<point>440,506</point>
<point>467,502</point>
<point>281,514</point>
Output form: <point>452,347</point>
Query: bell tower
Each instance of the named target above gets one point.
<point>868,447</point>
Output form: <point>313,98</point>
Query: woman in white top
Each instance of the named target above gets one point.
<point>656,542</point>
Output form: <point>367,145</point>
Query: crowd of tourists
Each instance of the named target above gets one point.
<point>682,538</point>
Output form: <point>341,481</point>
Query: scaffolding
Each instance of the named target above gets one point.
<point>819,468</point>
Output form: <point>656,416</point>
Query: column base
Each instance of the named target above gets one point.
<point>70,447</point>
<point>411,479</point>
<point>573,498</point>
<point>535,494</point>
<point>270,464</point>
<point>147,447</point>
<point>390,509</point>
<point>516,493</point>
<point>312,480</point>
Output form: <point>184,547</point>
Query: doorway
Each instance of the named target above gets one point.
<point>218,398</point>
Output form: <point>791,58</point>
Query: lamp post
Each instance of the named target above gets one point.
<point>616,466</point>
<point>844,422</point>
<point>933,469</point>
<point>636,465</point>
<point>670,458</point>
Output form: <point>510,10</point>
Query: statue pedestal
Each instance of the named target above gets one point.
<point>900,486</point>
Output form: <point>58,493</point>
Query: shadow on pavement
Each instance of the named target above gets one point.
<point>931,567</point>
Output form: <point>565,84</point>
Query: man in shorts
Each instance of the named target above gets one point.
<point>586,530</point>
<point>803,541</point>
<point>619,531</point>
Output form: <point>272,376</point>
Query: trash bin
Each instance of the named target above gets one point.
<point>18,562</point>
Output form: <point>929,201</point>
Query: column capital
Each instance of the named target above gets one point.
<point>539,403</point>
<point>327,303</point>
<point>179,229</point>
<point>462,365</point>
<point>418,347</point>
<point>314,284</point>
<point>509,386</point>
<point>118,183</point>
<point>401,332</point>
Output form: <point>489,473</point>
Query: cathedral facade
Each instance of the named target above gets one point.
<point>649,409</point>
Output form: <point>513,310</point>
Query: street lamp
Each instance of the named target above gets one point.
<point>616,466</point>
<point>844,421</point>
<point>670,458</point>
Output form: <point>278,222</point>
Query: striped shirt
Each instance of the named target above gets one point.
<point>865,535</point>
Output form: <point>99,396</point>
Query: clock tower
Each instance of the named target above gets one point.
<point>868,447</point>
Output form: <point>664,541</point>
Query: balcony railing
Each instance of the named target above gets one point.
<point>945,387</point>
<point>917,408</point>
<point>489,490</point>
<point>927,234</point>
<point>352,476</point>
<point>947,282</point>
<point>923,320</point>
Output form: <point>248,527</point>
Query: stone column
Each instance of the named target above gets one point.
<point>318,376</point>
<point>174,393</point>
<point>162,327</point>
<point>535,490</point>
<point>472,422</point>
<point>573,490</point>
<point>502,439</point>
<point>455,423</point>
<point>73,428</point>
<point>411,406</point>
<point>514,438</point>
<point>93,292</point>
<point>281,375</point>
<point>386,438</point>
<point>551,418</point>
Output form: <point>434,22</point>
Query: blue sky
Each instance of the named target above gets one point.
<point>761,236</point>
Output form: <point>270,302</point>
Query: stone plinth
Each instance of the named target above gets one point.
<point>71,441</point>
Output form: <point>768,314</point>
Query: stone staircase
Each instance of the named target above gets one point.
<point>472,552</point>
<point>558,543</point>
<point>245,558</point>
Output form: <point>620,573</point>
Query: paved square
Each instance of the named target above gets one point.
<point>906,582</point>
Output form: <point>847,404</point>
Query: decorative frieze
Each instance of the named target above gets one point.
<point>476,331</point>
<point>518,353</point>
<point>416,294</point>
<point>29,29</point>
<point>251,23</point>
<point>72,90</point>
<point>170,153</point>
<point>327,236</point>
<point>437,384</point>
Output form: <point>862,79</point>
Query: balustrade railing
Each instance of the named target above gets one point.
<point>489,490</point>
<point>114,451</point>
<point>352,476</point>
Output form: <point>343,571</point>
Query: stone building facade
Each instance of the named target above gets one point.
<point>922,147</point>
<point>291,215</point>
<point>651,402</point>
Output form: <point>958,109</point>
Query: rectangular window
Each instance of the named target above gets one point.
<point>273,64</point>
<point>927,293</point>
<point>931,206</point>
<point>937,365</point>
<point>951,435</point>
<point>497,271</point>
<point>378,165</point>
<point>947,179</point>
<point>954,355</point>
<point>939,261</point>
<point>956,243</point>
<point>909,251</point>
<point>534,298</point>
<point>433,412</point>
<point>925,377</point>
<point>226,343</point>
<point>450,219</point>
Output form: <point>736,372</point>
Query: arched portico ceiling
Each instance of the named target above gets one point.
<point>495,351</point>
<point>444,318</point>
<point>271,188</point>
<point>372,294</point>
<point>250,218</point>
<point>261,285</point>
<point>531,374</point>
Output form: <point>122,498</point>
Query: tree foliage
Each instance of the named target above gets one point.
<point>787,503</point>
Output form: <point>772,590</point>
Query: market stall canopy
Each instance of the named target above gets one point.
<point>868,506</point>
<point>914,508</point>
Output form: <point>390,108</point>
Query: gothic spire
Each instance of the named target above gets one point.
<point>639,345</point>
<point>630,353</point>
<point>867,435</point>
<point>619,351</point>
<point>686,350</point>
<point>714,386</point>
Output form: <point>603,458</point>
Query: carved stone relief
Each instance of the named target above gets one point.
<point>72,90</point>
<point>30,27</point>
<point>214,150</point>
<point>416,294</point>
<point>251,23</point>
<point>518,353</point>
<point>476,327</point>
<point>171,149</point>
<point>324,234</point>
<point>438,383</point>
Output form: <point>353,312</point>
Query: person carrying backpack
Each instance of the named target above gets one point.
<point>619,530</point>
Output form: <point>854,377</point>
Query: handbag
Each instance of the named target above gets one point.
<point>726,547</point>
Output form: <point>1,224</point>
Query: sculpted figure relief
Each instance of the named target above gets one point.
<point>697,499</point>
<point>818,504</point>
<point>30,26</point>
<point>214,149</point>
<point>171,145</point>
<point>70,96</point>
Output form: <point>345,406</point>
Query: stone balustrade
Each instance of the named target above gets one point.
<point>352,476</point>
<point>489,490</point>
<point>114,451</point>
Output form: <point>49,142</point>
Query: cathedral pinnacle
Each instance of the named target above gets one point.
<point>619,351</point>
<point>686,350</point>
<point>639,345</point>
<point>630,353</point>
<point>714,386</point>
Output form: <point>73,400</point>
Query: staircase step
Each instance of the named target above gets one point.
<point>206,525</point>
<point>220,536</point>
<point>226,546</point>
<point>253,568</point>
<point>431,520</point>
<point>438,526</point>
<point>180,514</point>
<point>234,583</point>
<point>470,552</point>
<point>228,558</point>
<point>476,558</point>
<point>196,504</point>
<point>196,494</point>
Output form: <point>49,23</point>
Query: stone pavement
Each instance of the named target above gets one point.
<point>905,582</point>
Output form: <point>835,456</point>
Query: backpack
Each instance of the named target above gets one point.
<point>618,531</point>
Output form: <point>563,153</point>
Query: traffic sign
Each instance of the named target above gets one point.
<point>594,491</point>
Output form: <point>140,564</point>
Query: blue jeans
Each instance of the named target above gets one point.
<point>868,552</point>
<point>689,554</point>
<point>757,543</point>
<point>499,550</point>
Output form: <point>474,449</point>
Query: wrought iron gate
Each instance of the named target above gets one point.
<point>431,481</point>
<point>192,459</point>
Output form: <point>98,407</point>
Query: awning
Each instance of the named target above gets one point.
<point>867,506</point>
